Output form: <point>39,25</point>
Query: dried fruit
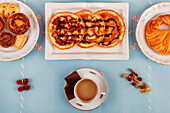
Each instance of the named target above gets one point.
<point>138,86</point>
<point>136,79</point>
<point>129,79</point>
<point>142,87</point>
<point>145,85</point>
<point>131,75</point>
<point>25,81</point>
<point>146,90</point>
<point>24,85</point>
<point>133,72</point>
<point>126,76</point>
<point>140,78</point>
<point>18,82</point>
<point>21,89</point>
<point>134,84</point>
<point>27,87</point>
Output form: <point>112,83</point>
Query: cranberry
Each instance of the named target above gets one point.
<point>142,87</point>
<point>131,75</point>
<point>140,79</point>
<point>21,89</point>
<point>25,81</point>
<point>134,84</point>
<point>18,82</point>
<point>129,79</point>
<point>27,87</point>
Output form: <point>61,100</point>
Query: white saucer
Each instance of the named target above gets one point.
<point>148,15</point>
<point>11,53</point>
<point>97,77</point>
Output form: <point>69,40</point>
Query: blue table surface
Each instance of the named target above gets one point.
<point>47,77</point>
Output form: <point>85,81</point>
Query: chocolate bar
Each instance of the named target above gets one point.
<point>72,78</point>
<point>69,90</point>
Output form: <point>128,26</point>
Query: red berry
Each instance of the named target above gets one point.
<point>18,82</point>
<point>25,81</point>
<point>142,87</point>
<point>21,89</point>
<point>140,79</point>
<point>27,87</point>
<point>129,79</point>
<point>134,84</point>
<point>131,75</point>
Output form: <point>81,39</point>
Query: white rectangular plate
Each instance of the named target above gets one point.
<point>120,52</point>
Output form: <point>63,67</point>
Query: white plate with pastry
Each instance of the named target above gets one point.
<point>20,32</point>
<point>155,43</point>
<point>85,49</point>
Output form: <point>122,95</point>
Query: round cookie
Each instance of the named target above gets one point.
<point>1,24</point>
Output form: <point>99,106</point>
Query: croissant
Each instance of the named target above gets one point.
<point>159,39</point>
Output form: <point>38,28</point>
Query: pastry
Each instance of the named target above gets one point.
<point>3,9</point>
<point>1,24</point>
<point>6,40</point>
<point>18,23</point>
<point>159,39</point>
<point>20,41</point>
<point>94,26</point>
<point>65,29</point>
<point>114,28</point>
<point>11,9</point>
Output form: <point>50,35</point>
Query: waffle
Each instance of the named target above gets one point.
<point>114,28</point>
<point>94,26</point>
<point>1,24</point>
<point>18,23</point>
<point>65,29</point>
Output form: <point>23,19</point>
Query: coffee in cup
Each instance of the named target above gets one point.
<point>86,90</point>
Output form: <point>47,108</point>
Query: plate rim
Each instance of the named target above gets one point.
<point>106,90</point>
<point>26,53</point>
<point>137,39</point>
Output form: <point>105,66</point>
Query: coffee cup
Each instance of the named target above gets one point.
<point>86,91</point>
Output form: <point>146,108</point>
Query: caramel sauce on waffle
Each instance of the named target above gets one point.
<point>66,30</point>
<point>114,28</point>
<point>94,26</point>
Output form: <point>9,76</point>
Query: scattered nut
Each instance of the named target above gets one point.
<point>136,80</point>
<point>126,76</point>
<point>138,86</point>
<point>133,72</point>
<point>147,90</point>
<point>144,88</point>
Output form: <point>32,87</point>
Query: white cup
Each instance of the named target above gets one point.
<point>80,101</point>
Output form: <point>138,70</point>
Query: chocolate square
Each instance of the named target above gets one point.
<point>69,90</point>
<point>72,78</point>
